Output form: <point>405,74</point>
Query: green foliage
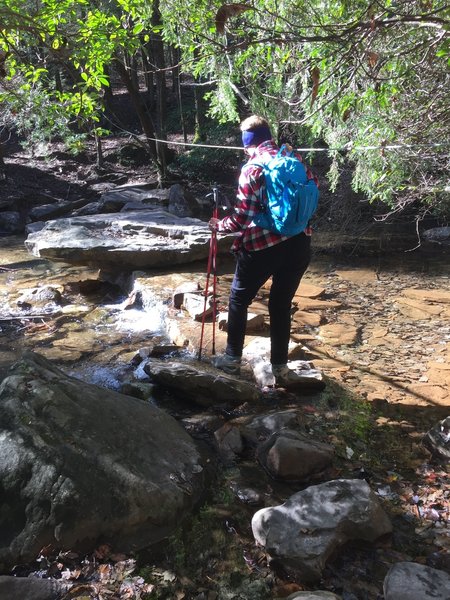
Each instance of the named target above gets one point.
<point>31,110</point>
<point>75,39</point>
<point>353,418</point>
<point>211,165</point>
<point>205,548</point>
<point>352,73</point>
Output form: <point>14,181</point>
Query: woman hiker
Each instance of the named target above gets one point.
<point>261,254</point>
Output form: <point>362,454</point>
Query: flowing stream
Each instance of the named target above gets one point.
<point>79,321</point>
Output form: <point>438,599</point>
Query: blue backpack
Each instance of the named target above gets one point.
<point>291,198</point>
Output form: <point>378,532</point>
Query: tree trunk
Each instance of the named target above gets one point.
<point>157,49</point>
<point>108,89</point>
<point>58,80</point>
<point>139,107</point>
<point>176,87</point>
<point>200,109</point>
<point>99,150</point>
<point>3,176</point>
<point>149,80</point>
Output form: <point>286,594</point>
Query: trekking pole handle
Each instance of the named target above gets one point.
<point>216,201</point>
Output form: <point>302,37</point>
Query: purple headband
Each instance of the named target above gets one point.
<point>256,136</point>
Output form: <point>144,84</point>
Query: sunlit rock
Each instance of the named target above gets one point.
<point>339,334</point>
<point>416,582</point>
<point>201,383</point>
<point>140,239</point>
<point>311,525</point>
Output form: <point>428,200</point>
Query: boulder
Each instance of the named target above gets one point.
<point>145,194</point>
<point>200,383</point>
<point>294,456</point>
<point>437,235</point>
<point>316,595</point>
<point>229,441</point>
<point>181,202</point>
<point>263,426</point>
<point>412,581</point>
<point>30,588</point>
<point>305,531</point>
<point>438,439</point>
<point>11,222</point>
<point>130,240</point>
<point>81,463</point>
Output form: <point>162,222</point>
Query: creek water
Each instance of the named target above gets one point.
<point>93,327</point>
<point>80,317</point>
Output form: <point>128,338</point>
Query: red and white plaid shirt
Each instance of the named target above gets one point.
<point>250,202</point>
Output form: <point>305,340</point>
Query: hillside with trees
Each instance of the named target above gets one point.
<point>366,82</point>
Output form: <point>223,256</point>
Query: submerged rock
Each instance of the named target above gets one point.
<point>80,463</point>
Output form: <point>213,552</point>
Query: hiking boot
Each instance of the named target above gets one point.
<point>285,377</point>
<point>227,363</point>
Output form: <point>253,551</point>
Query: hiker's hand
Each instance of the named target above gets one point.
<point>213,224</point>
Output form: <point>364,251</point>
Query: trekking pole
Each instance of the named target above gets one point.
<point>214,270</point>
<point>211,266</point>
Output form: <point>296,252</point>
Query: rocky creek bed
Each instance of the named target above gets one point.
<point>377,329</point>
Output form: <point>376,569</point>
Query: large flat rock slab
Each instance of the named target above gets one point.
<point>136,239</point>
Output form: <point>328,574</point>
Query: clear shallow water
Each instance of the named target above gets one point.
<point>96,329</point>
<point>89,329</point>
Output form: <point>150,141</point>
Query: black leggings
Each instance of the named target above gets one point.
<point>286,262</point>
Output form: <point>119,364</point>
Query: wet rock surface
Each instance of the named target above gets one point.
<point>141,239</point>
<point>199,384</point>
